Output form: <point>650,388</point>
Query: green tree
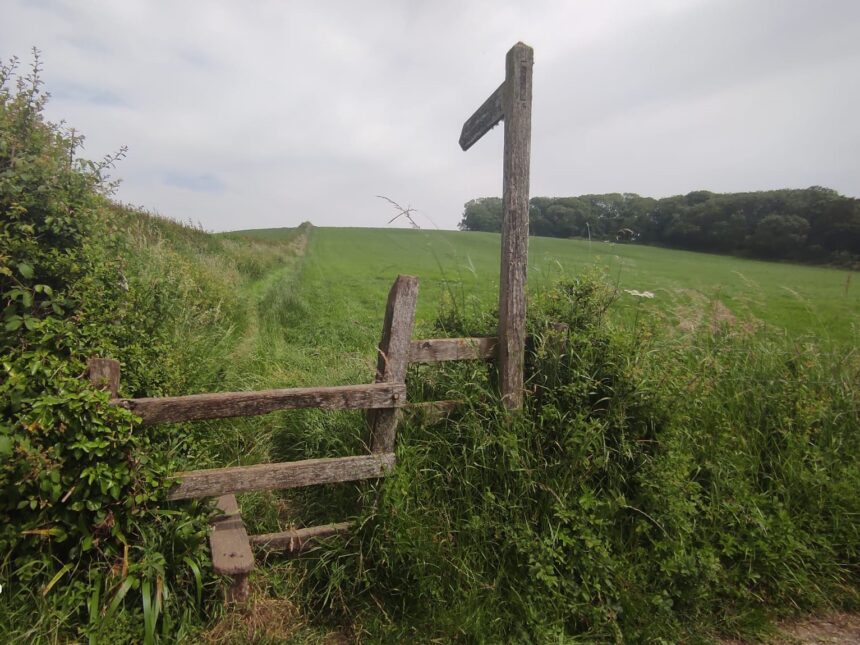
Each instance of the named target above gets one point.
<point>780,235</point>
<point>483,214</point>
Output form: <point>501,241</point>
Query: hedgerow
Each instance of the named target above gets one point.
<point>84,528</point>
<point>654,489</point>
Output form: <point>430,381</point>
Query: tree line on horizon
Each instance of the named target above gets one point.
<point>807,225</point>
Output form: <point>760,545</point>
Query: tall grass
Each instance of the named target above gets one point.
<point>656,489</point>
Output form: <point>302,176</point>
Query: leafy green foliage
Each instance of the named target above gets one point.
<point>651,489</point>
<point>83,520</point>
<point>45,204</point>
<point>811,225</point>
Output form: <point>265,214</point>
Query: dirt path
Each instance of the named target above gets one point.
<point>835,628</point>
<point>832,629</point>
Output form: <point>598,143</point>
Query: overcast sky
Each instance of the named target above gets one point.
<point>265,114</point>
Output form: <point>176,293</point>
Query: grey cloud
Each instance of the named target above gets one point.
<point>284,112</point>
<point>79,93</point>
<point>203,183</point>
<point>90,45</point>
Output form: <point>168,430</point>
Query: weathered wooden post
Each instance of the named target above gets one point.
<point>393,358</point>
<point>512,101</point>
<point>104,374</point>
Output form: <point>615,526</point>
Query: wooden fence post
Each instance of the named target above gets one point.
<point>104,375</point>
<point>512,101</point>
<point>517,107</point>
<point>393,358</point>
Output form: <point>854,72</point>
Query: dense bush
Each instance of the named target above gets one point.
<point>652,488</point>
<point>83,524</point>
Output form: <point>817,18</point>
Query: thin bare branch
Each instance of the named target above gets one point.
<point>403,212</point>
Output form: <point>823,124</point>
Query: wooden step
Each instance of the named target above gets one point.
<point>231,548</point>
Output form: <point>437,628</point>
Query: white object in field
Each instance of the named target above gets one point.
<point>639,294</point>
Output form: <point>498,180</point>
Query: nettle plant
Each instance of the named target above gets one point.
<point>78,479</point>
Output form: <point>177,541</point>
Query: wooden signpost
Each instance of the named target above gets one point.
<point>386,397</point>
<point>512,101</point>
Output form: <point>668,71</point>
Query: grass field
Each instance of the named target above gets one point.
<point>347,272</point>
<point>317,321</point>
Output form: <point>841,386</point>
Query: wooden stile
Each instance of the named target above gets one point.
<point>384,399</point>
<point>393,358</point>
<point>197,407</point>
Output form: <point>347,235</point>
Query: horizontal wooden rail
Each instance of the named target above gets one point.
<point>293,474</point>
<point>444,405</point>
<point>197,407</point>
<point>437,350</point>
<point>431,411</point>
<point>298,540</point>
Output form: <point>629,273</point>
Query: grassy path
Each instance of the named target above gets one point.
<point>262,341</point>
<point>270,353</point>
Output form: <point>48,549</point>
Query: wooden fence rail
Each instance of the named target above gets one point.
<point>198,407</point>
<point>437,350</point>
<point>297,540</point>
<point>213,482</point>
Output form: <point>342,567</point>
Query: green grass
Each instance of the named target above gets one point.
<point>662,485</point>
<point>348,271</point>
<point>304,306</point>
<point>329,312</point>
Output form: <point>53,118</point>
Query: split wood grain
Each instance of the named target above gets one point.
<point>437,350</point>
<point>517,108</point>
<point>197,407</point>
<point>393,357</point>
<point>294,474</point>
<point>484,119</point>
